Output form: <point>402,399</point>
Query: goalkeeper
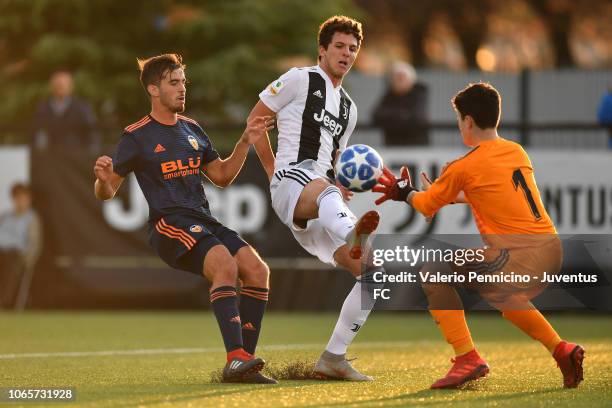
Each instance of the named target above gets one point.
<point>496,179</point>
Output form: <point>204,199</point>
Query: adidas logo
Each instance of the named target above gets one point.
<point>355,327</point>
<point>318,93</point>
<point>248,326</point>
<point>235,319</point>
<point>235,364</point>
<point>342,215</point>
<point>159,148</point>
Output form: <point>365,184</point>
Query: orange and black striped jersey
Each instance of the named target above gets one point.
<point>498,181</point>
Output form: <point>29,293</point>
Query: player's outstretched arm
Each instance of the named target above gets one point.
<point>426,182</point>
<point>444,191</point>
<point>223,172</point>
<point>107,181</point>
<point>262,146</point>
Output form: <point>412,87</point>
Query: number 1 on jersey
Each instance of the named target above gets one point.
<point>519,181</point>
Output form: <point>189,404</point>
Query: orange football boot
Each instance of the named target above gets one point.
<point>365,226</point>
<point>466,367</point>
<point>569,357</point>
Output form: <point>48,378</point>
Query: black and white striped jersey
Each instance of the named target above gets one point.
<point>314,119</point>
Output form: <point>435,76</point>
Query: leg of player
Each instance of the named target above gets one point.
<point>319,199</point>
<point>322,200</point>
<point>569,356</point>
<point>447,310</point>
<point>467,363</point>
<point>254,274</point>
<point>221,270</point>
<point>354,312</point>
<point>333,214</point>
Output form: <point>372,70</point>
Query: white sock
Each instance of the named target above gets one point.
<point>333,212</point>
<point>353,315</point>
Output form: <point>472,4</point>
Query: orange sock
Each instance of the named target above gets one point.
<point>238,353</point>
<point>534,324</point>
<point>455,329</point>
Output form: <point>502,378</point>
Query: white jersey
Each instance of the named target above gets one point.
<point>314,119</point>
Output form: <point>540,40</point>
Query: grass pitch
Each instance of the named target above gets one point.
<point>167,360</point>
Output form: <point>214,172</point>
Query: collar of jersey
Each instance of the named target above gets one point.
<point>163,124</point>
<point>497,139</point>
<point>327,78</point>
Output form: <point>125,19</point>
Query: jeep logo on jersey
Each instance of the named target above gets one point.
<point>193,142</point>
<point>195,228</point>
<point>329,122</point>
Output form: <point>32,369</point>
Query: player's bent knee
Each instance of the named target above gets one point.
<point>263,273</point>
<point>328,190</point>
<point>307,206</point>
<point>253,271</point>
<point>227,272</point>
<point>220,266</point>
<point>258,275</point>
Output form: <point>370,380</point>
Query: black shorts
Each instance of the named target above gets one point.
<point>183,240</point>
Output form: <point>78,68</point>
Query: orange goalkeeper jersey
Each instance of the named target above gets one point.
<point>498,182</point>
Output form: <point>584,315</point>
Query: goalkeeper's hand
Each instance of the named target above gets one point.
<point>393,188</point>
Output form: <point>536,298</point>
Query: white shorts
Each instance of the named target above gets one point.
<point>285,188</point>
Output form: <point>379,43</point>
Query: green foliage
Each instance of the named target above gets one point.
<point>232,50</point>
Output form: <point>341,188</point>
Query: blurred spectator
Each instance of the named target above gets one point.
<point>20,243</point>
<point>402,112</point>
<point>604,113</point>
<point>64,121</point>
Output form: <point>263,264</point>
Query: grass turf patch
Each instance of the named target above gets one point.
<point>166,359</point>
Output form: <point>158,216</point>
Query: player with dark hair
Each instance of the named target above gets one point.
<point>315,118</point>
<point>497,180</point>
<point>168,153</point>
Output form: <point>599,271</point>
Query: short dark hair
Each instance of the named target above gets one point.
<point>482,102</point>
<point>341,24</point>
<point>20,188</point>
<point>154,69</point>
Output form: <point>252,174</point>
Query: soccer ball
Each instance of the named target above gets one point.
<point>359,167</point>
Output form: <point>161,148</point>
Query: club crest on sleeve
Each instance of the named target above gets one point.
<point>193,142</point>
<point>276,86</point>
<point>195,228</point>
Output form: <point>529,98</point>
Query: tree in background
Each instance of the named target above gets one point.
<point>232,50</point>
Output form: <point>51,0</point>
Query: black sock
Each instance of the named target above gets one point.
<point>224,302</point>
<point>252,307</point>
